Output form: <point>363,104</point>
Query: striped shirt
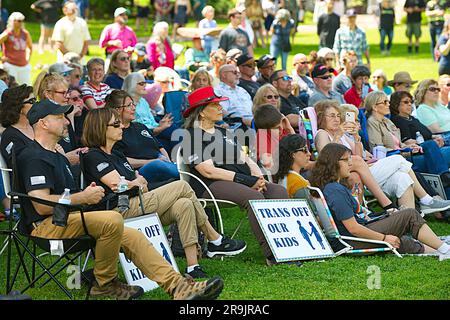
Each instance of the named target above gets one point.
<point>89,91</point>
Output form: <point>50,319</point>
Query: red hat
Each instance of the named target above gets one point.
<point>201,97</point>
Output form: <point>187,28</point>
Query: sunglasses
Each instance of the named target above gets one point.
<point>75,99</point>
<point>115,124</point>
<point>304,149</point>
<point>407,101</point>
<point>64,93</point>
<point>124,59</point>
<point>270,97</point>
<point>385,102</point>
<point>30,101</point>
<point>78,76</point>
<point>249,65</point>
<point>143,83</point>
<point>325,77</point>
<point>129,106</point>
<point>433,89</point>
<point>66,73</point>
<point>285,78</point>
<point>329,59</point>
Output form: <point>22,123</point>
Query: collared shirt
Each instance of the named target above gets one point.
<point>318,96</point>
<point>304,82</point>
<point>115,31</point>
<point>240,103</point>
<point>346,40</point>
<point>383,132</point>
<point>250,86</point>
<point>72,34</point>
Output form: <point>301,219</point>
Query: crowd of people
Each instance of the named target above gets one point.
<point>108,118</point>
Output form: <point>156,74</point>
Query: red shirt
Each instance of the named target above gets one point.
<point>266,143</point>
<point>352,97</point>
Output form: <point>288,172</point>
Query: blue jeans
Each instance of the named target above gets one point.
<point>435,32</point>
<point>158,171</point>
<point>434,160</point>
<point>383,34</point>
<point>276,51</point>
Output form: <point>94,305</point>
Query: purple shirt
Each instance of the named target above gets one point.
<point>115,31</point>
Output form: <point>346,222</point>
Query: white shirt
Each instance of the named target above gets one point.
<point>72,34</point>
<point>240,103</point>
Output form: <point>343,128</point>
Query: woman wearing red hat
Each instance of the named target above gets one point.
<point>218,160</point>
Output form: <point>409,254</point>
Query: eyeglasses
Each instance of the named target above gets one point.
<point>124,59</point>
<point>75,99</point>
<point>434,89</point>
<point>407,85</point>
<point>129,106</point>
<point>385,102</point>
<point>64,93</point>
<point>349,159</point>
<point>270,97</point>
<point>325,77</point>
<point>233,71</point>
<point>333,116</point>
<point>304,149</point>
<point>30,101</point>
<point>302,62</point>
<point>115,124</point>
<point>269,66</point>
<point>329,59</point>
<point>66,73</point>
<point>407,101</point>
<point>143,83</point>
<point>248,65</point>
<point>285,78</point>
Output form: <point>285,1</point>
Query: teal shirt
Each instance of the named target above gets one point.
<point>439,114</point>
<point>144,115</point>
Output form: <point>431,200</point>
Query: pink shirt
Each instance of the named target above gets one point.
<point>15,48</point>
<point>115,31</point>
<point>160,59</point>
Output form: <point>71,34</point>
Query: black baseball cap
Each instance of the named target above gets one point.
<point>243,58</point>
<point>261,62</point>
<point>320,70</point>
<point>46,107</point>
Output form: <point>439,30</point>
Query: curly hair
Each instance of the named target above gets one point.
<point>288,145</point>
<point>12,104</point>
<point>396,98</point>
<point>327,165</point>
<point>321,107</point>
<point>422,88</point>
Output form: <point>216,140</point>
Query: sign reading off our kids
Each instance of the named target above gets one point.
<point>151,227</point>
<point>291,230</point>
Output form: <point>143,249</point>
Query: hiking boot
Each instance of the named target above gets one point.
<point>116,290</point>
<point>188,289</point>
<point>435,206</point>
<point>228,247</point>
<point>198,272</point>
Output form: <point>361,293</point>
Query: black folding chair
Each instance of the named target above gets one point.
<point>73,248</point>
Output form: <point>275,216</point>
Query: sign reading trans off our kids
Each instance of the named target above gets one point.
<point>151,227</point>
<point>291,230</point>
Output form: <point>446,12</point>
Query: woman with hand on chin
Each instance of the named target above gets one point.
<point>217,159</point>
<point>330,175</point>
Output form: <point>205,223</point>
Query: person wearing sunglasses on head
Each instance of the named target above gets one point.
<point>290,105</point>
<point>246,65</point>
<point>119,68</point>
<point>323,79</point>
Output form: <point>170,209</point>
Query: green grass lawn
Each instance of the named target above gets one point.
<point>247,277</point>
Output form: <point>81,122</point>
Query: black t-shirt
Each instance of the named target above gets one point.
<point>387,18</point>
<point>327,26</point>
<point>415,16</point>
<point>13,137</point>
<point>231,38</point>
<point>409,127</point>
<point>291,105</point>
<point>97,163</point>
<point>50,10</point>
<point>138,142</point>
<point>224,149</point>
<point>43,169</point>
<point>250,86</point>
<point>144,64</point>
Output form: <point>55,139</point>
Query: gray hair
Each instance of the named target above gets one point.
<point>283,14</point>
<point>372,99</point>
<point>14,16</point>
<point>93,61</point>
<point>130,82</point>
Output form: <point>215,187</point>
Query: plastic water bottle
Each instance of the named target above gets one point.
<point>65,197</point>
<point>123,202</point>
<point>419,138</point>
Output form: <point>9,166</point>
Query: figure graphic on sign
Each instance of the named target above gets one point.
<point>165,253</point>
<point>305,234</point>
<point>316,234</point>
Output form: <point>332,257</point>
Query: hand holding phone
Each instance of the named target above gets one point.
<point>349,116</point>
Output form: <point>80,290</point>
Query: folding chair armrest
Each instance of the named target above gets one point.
<point>6,169</point>
<point>373,241</point>
<point>69,207</point>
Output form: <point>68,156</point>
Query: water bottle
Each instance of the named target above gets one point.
<point>123,202</point>
<point>419,138</point>
<point>60,214</point>
<point>379,152</point>
<point>65,197</point>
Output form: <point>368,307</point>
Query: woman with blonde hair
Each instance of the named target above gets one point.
<point>267,94</point>
<point>15,41</point>
<point>379,82</point>
<point>119,68</point>
<point>444,84</point>
<point>159,49</point>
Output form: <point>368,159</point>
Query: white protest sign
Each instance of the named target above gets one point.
<point>291,230</point>
<point>151,227</point>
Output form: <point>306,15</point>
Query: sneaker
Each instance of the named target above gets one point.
<point>198,272</point>
<point>116,290</point>
<point>228,247</point>
<point>435,206</point>
<point>188,289</point>
<point>445,256</point>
